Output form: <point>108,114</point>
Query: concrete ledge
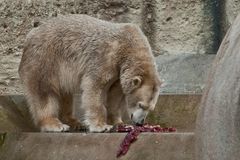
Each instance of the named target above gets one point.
<point>14,114</point>
<point>103,146</point>
<point>177,110</point>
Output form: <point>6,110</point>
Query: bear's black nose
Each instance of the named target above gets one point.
<point>141,123</point>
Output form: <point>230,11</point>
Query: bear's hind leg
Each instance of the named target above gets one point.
<point>45,113</point>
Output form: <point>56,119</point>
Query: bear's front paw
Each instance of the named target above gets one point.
<point>102,128</point>
<point>53,125</point>
<point>55,128</point>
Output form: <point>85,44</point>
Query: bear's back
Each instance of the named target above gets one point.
<point>80,24</point>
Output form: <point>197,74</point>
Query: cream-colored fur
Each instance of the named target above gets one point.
<point>111,63</point>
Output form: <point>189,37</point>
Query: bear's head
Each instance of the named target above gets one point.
<point>141,92</point>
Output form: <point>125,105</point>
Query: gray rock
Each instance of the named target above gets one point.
<point>218,122</point>
<point>185,73</point>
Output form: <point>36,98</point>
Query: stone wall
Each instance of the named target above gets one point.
<point>172,26</point>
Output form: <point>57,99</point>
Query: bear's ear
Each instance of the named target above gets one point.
<point>136,82</point>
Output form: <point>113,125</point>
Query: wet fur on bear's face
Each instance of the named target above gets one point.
<point>141,86</point>
<point>142,99</point>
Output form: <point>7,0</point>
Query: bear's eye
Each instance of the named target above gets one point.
<point>136,82</point>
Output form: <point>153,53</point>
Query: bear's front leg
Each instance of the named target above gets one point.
<point>93,97</point>
<point>115,104</point>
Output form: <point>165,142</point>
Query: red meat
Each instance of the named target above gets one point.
<point>133,132</point>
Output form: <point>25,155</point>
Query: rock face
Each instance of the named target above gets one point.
<point>218,122</point>
<point>172,27</point>
<point>184,26</point>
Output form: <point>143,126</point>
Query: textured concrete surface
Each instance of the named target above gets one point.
<point>77,146</point>
<point>184,26</point>
<point>171,110</point>
<point>218,122</point>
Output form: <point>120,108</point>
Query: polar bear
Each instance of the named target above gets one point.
<point>110,63</point>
